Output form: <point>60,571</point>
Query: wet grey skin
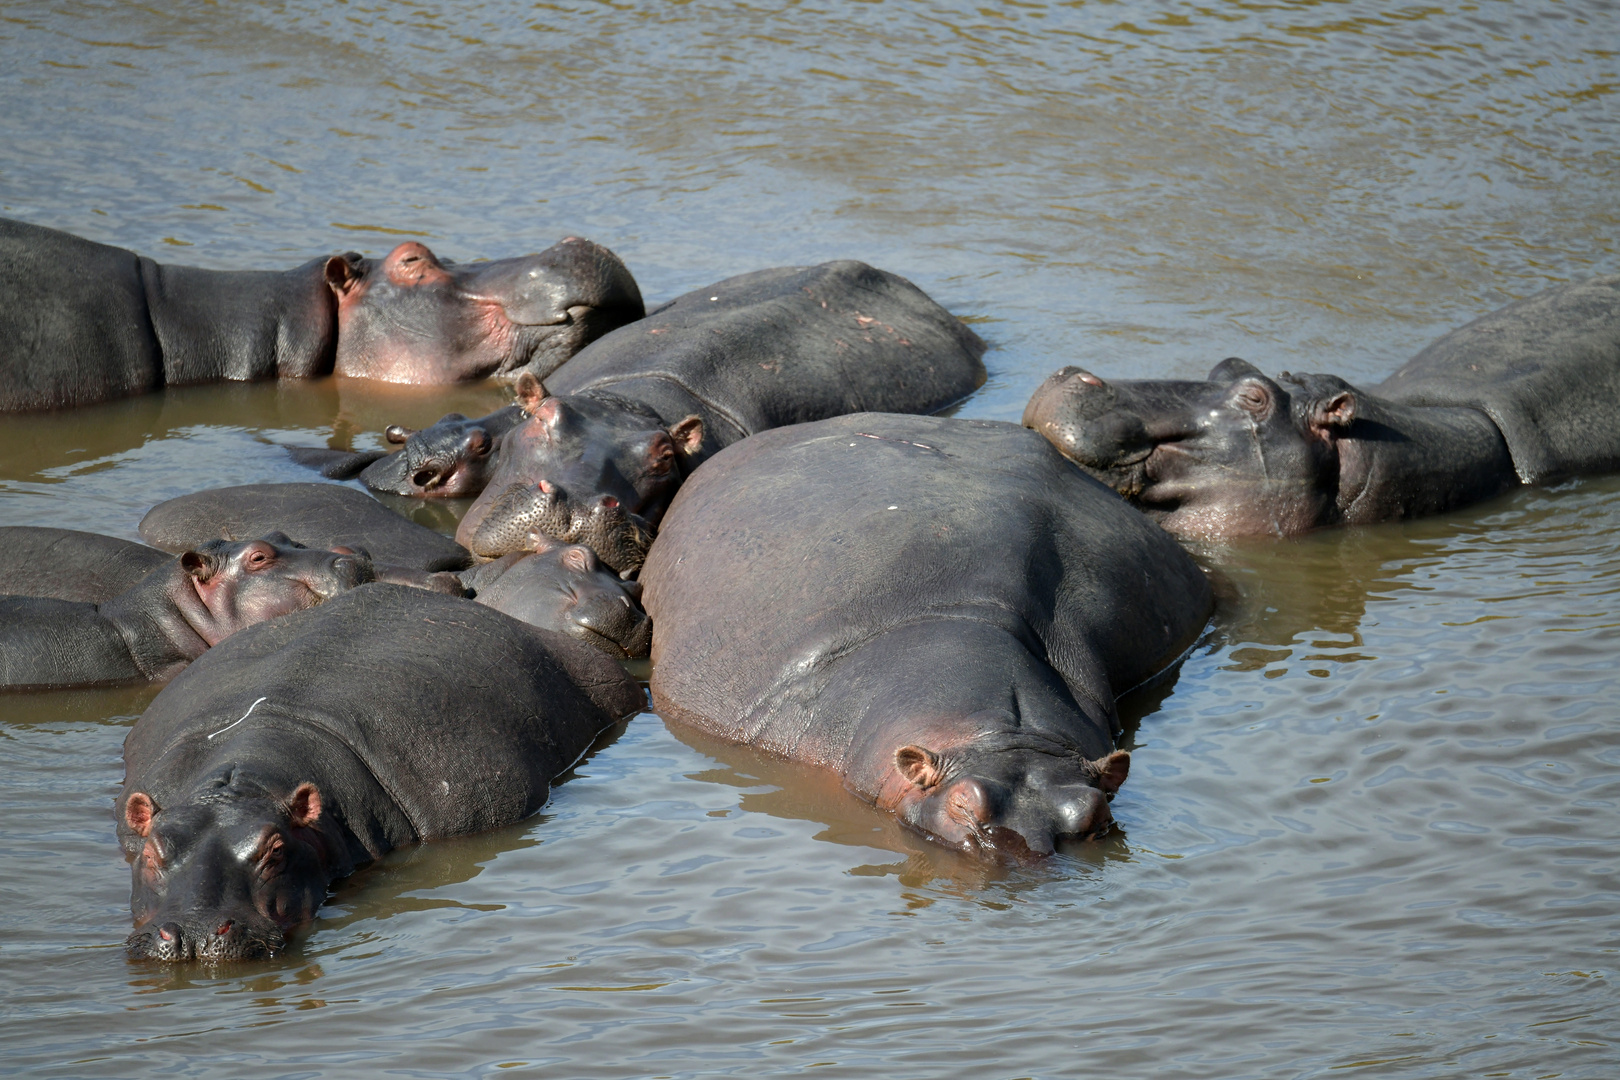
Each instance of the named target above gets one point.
<point>82,322</point>
<point>563,587</point>
<point>450,458</point>
<point>305,747</point>
<point>1529,394</point>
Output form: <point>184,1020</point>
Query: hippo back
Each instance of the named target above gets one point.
<point>790,345</point>
<point>459,713</point>
<point>1546,369</point>
<point>315,515</point>
<point>72,565</point>
<point>799,545</point>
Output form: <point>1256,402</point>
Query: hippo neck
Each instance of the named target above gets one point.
<point>241,324</point>
<point>672,400</point>
<point>158,621</point>
<point>1401,461</point>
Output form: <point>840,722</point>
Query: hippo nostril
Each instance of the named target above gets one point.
<point>547,487</point>
<point>169,931</point>
<point>224,928</point>
<point>424,478</point>
<point>608,502</point>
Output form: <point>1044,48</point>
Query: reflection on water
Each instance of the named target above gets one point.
<point>1368,829</point>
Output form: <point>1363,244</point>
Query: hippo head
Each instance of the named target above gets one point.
<point>411,318</point>
<point>239,583</point>
<point>564,587</point>
<point>450,458</point>
<point>1010,795</point>
<point>1238,454</point>
<point>224,875</point>
<point>587,468</point>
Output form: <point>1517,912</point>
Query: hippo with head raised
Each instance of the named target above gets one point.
<point>82,322</point>
<point>1529,394</point>
<point>177,611</point>
<point>303,748</point>
<point>450,458</point>
<point>614,431</point>
<point>942,612</point>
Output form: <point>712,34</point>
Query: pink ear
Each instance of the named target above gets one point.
<point>1112,770</point>
<point>530,392</point>
<point>138,812</point>
<point>304,808</point>
<point>918,765</point>
<point>688,435</point>
<point>341,276</point>
<point>1336,413</point>
<point>198,565</point>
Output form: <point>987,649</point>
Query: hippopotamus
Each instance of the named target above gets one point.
<point>177,611</point>
<point>615,430</point>
<point>941,612</point>
<point>1527,394</point>
<point>82,322</point>
<point>303,748</point>
<point>450,458</point>
<point>563,587</point>
<point>320,515</point>
<point>67,564</point>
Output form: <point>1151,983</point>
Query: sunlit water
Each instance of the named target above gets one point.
<point>1370,827</point>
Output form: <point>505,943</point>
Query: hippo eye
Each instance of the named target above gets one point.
<point>258,559</point>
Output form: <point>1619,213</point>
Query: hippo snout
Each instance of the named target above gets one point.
<point>225,939</point>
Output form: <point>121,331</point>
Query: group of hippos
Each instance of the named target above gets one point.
<point>747,482</point>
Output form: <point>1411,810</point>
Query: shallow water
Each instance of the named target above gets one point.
<point>1370,826</point>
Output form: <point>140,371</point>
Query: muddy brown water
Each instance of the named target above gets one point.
<point>1371,824</point>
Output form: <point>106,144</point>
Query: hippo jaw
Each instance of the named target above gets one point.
<point>1012,804</point>
<point>411,318</point>
<point>222,878</point>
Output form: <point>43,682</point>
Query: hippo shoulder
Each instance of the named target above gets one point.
<point>461,714</point>
<point>315,515</point>
<point>1545,369</point>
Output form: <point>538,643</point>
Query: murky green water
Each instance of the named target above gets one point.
<point>1370,828</point>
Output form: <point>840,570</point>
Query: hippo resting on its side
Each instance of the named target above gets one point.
<point>1529,393</point>
<point>616,429</point>
<point>178,611</point>
<point>67,564</point>
<point>321,515</point>
<point>82,322</point>
<point>562,587</point>
<point>940,611</point>
<point>303,748</point>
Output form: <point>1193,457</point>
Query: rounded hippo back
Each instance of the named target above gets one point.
<point>70,565</point>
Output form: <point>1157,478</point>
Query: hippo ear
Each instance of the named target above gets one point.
<point>1112,770</point>
<point>343,272</point>
<point>396,434</point>
<point>579,559</point>
<point>688,435</point>
<point>139,809</point>
<point>918,765</point>
<point>200,565</point>
<point>1232,369</point>
<point>304,807</point>
<point>1333,415</point>
<point>530,392</point>
<point>539,542</point>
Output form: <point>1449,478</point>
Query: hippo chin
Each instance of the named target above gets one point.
<point>172,616</point>
<point>562,587</point>
<point>301,749</point>
<point>1526,394</point>
<point>615,431</point>
<point>82,322</point>
<point>941,612</point>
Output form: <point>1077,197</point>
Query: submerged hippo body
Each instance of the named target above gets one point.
<point>940,611</point>
<point>172,616</point>
<point>250,785</point>
<point>66,564</point>
<point>617,428</point>
<point>320,515</point>
<point>1526,394</point>
<point>562,587</point>
<point>82,322</point>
